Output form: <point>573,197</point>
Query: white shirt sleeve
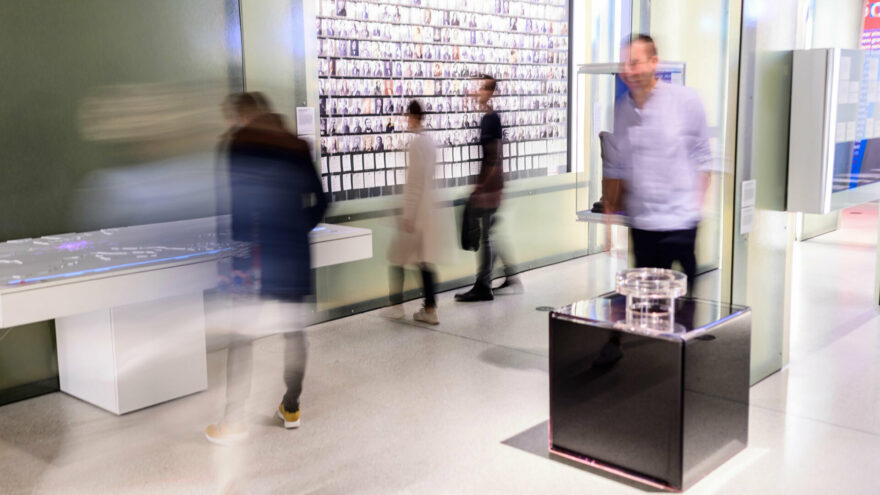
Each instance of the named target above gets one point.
<point>699,146</point>
<point>614,162</point>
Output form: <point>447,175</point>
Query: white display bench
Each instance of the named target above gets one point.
<point>128,303</point>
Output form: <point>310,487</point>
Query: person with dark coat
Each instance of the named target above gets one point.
<point>486,199</point>
<point>276,200</point>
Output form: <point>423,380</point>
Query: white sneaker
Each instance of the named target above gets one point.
<point>226,434</point>
<point>393,312</point>
<point>425,316</point>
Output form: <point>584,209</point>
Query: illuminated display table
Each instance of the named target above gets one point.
<point>663,409</point>
<point>128,303</point>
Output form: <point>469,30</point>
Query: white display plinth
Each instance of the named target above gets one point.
<point>129,357</point>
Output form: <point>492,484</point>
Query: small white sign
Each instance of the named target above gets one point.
<point>305,121</point>
<point>749,193</point>
<point>747,220</point>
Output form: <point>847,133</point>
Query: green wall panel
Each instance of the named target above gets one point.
<point>538,224</point>
<point>81,80</point>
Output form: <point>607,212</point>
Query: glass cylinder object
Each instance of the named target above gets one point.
<point>650,297</point>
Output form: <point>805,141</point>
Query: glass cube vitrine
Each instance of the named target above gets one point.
<point>662,407</point>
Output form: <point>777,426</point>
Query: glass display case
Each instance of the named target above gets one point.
<point>834,140</point>
<point>662,400</point>
<point>597,88</point>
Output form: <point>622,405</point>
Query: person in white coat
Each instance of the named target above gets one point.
<point>416,241</point>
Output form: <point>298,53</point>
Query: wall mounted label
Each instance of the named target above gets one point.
<point>305,121</point>
<point>749,193</point>
<point>747,220</point>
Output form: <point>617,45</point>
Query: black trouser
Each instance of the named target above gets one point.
<point>659,249</point>
<point>396,276</point>
<point>489,250</point>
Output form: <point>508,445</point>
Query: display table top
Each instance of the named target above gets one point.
<point>62,275</point>
<point>109,251</point>
<point>609,310</point>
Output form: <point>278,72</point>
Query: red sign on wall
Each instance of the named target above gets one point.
<point>872,15</point>
<point>871,29</point>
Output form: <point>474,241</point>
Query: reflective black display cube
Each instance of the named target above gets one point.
<point>661,408</point>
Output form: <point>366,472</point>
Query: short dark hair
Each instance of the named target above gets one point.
<point>490,82</point>
<point>251,103</point>
<point>648,40</point>
<point>262,101</point>
<point>415,109</point>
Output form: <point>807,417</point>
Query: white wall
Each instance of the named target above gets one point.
<point>267,27</point>
<point>838,23</point>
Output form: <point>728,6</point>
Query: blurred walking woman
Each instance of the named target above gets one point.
<point>416,241</point>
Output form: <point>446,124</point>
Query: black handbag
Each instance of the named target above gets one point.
<point>470,229</point>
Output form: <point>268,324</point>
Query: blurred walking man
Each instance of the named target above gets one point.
<point>486,199</point>
<point>276,200</point>
<point>662,159</point>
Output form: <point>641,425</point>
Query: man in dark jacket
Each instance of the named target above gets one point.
<point>486,199</point>
<point>276,200</point>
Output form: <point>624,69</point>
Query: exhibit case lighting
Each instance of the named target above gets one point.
<point>834,140</point>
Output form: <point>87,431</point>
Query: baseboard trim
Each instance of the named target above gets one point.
<point>372,304</point>
<point>29,390</point>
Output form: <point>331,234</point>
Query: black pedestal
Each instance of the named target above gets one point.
<point>661,408</point>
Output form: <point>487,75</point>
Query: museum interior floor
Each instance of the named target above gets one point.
<point>394,407</point>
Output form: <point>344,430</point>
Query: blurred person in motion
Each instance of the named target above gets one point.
<point>662,161</point>
<point>486,199</point>
<point>276,199</point>
<point>416,240</point>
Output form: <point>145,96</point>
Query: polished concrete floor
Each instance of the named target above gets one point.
<point>394,407</point>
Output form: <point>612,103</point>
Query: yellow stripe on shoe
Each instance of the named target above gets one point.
<point>291,419</point>
<point>226,433</point>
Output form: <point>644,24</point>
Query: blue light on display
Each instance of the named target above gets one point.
<point>114,267</point>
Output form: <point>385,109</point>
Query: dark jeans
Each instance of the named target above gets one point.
<point>489,250</point>
<point>659,249</point>
<point>239,365</point>
<point>396,276</point>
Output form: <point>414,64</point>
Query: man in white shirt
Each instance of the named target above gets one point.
<point>662,159</point>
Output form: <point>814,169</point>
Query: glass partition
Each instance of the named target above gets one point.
<point>695,32</point>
